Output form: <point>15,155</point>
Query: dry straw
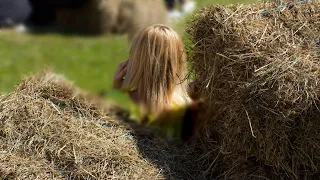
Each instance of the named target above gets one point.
<point>48,130</point>
<point>17,166</point>
<point>260,77</point>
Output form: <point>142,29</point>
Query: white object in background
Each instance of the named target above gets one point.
<point>189,6</point>
<point>21,28</point>
<point>174,14</point>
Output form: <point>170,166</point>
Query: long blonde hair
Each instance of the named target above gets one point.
<point>157,68</point>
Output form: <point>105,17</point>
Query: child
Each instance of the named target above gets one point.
<point>155,75</point>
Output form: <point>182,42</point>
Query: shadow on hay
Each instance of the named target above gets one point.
<point>176,160</point>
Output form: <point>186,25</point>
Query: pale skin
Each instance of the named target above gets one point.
<point>118,80</point>
<point>119,75</point>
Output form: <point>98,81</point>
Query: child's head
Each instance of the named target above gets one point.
<point>157,68</point>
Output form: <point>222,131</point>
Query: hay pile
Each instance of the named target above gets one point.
<point>17,166</point>
<point>48,130</point>
<point>260,75</point>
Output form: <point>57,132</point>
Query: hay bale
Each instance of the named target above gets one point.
<point>260,76</point>
<point>14,165</point>
<point>47,119</point>
<point>134,15</point>
<point>48,126</point>
<point>95,16</point>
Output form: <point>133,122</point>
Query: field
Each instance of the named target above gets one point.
<point>86,60</point>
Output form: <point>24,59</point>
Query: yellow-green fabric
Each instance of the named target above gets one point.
<point>169,121</point>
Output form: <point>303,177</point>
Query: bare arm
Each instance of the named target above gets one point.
<point>119,74</point>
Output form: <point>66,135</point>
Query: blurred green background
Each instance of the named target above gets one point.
<point>87,61</point>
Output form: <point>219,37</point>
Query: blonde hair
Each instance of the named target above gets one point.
<point>157,68</point>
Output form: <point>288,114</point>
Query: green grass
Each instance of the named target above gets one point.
<point>88,61</point>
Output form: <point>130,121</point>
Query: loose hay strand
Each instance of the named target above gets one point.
<point>249,122</point>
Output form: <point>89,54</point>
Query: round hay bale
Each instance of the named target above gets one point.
<point>260,76</point>
<point>134,15</point>
<point>95,16</point>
